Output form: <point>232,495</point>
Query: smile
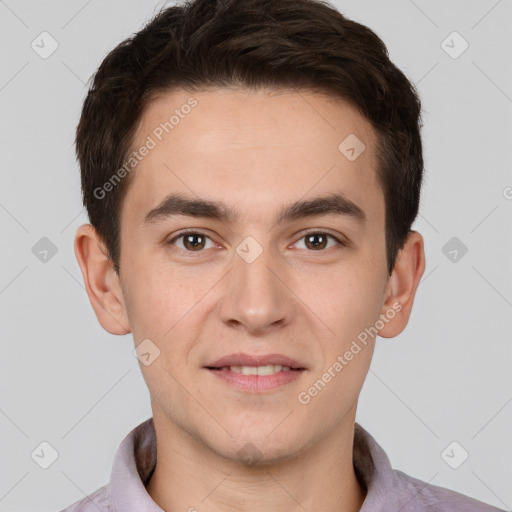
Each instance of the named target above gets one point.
<point>256,379</point>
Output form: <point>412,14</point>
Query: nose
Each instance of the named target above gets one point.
<point>257,297</point>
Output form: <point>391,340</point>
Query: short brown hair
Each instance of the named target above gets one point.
<point>298,44</point>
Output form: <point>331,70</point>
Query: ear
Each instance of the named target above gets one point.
<point>101,281</point>
<point>402,285</point>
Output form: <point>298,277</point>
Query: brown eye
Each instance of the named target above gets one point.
<point>192,241</point>
<point>318,241</point>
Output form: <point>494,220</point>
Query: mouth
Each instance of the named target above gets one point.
<point>253,373</point>
<point>269,369</point>
<point>242,360</point>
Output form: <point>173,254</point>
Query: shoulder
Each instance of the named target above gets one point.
<point>98,501</point>
<point>421,496</point>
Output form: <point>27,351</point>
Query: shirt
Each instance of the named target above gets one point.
<point>387,489</point>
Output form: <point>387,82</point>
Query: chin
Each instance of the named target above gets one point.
<point>257,448</point>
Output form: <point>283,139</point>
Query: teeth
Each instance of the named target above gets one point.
<point>257,370</point>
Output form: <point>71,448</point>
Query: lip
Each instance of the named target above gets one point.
<point>242,359</point>
<point>255,383</point>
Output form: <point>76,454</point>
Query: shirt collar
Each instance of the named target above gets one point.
<point>133,465</point>
<point>135,461</point>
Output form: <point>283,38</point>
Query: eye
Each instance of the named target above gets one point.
<point>317,240</point>
<point>193,241</point>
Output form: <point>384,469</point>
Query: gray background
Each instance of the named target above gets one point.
<point>446,378</point>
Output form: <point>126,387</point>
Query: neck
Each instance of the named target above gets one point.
<point>189,476</point>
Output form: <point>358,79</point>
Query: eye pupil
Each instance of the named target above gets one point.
<point>195,241</point>
<point>189,239</point>
<point>311,238</point>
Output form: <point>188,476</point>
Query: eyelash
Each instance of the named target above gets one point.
<point>181,234</point>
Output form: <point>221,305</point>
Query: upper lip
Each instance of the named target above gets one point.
<point>241,359</point>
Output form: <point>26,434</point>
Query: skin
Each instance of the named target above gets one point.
<point>255,151</point>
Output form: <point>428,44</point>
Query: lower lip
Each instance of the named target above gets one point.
<point>257,383</point>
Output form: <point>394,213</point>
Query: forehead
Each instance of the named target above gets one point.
<point>252,149</point>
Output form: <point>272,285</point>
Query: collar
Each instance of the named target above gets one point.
<point>136,457</point>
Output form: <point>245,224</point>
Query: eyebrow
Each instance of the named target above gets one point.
<point>177,204</point>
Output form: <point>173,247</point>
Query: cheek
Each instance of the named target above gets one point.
<point>165,304</point>
<point>347,299</point>
<point>351,307</point>
<point>154,300</point>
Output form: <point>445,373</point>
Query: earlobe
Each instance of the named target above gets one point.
<point>402,286</point>
<point>101,281</point>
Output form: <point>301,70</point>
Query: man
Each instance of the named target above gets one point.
<point>251,170</point>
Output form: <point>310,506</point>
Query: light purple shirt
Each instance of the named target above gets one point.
<point>388,490</point>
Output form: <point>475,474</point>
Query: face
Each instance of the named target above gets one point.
<point>253,274</point>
